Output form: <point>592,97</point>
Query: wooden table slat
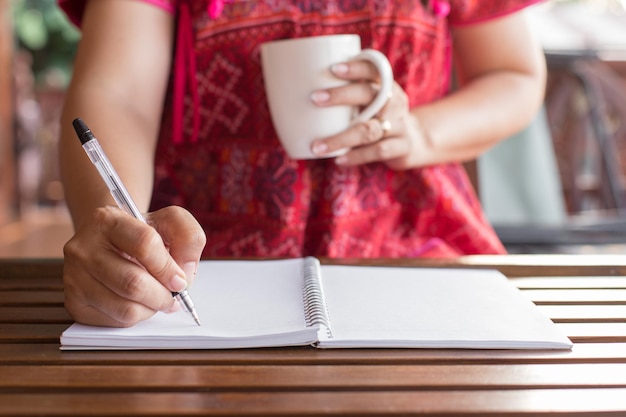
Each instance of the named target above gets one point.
<point>598,282</point>
<point>31,298</point>
<point>36,283</point>
<point>121,378</point>
<point>595,332</point>
<point>36,333</point>
<point>19,269</point>
<point>535,402</point>
<point>585,313</point>
<point>35,315</point>
<point>577,296</point>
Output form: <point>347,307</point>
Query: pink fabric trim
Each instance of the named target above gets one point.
<point>167,5</point>
<point>517,8</point>
<point>441,8</point>
<point>185,69</point>
<point>215,7</point>
<point>74,8</point>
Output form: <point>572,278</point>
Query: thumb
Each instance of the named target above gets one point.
<point>182,234</point>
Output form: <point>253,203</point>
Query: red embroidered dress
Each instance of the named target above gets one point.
<point>219,157</point>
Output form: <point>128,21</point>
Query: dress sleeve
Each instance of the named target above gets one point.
<point>74,8</point>
<point>464,12</point>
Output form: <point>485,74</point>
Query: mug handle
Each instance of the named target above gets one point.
<point>380,61</point>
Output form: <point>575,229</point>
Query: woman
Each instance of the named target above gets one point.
<point>174,91</point>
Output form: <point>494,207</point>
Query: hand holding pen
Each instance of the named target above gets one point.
<point>117,268</point>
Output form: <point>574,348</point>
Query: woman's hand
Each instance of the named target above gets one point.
<point>393,136</point>
<point>119,271</point>
<point>501,75</point>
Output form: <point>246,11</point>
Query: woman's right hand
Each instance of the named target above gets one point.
<point>119,271</point>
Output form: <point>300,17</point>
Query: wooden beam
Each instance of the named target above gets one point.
<point>7,151</point>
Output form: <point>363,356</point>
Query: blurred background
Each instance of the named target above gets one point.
<point>557,187</point>
<point>37,45</point>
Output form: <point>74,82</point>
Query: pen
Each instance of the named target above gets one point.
<point>120,194</point>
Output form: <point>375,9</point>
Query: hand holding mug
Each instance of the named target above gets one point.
<point>293,69</point>
<point>393,136</point>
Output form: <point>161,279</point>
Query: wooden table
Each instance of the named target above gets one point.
<point>585,295</point>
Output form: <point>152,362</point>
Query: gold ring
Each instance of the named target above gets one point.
<point>385,125</point>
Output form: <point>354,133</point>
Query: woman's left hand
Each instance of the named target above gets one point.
<point>393,136</point>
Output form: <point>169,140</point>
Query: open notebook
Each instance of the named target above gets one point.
<point>298,302</point>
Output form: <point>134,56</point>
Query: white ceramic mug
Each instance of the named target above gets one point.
<point>294,68</point>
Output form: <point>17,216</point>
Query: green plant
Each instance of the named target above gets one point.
<point>42,29</point>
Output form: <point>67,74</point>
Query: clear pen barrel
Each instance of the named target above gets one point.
<point>113,182</point>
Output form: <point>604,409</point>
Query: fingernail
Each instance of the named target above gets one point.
<point>320,96</point>
<point>178,283</point>
<point>319,148</point>
<point>341,160</point>
<point>339,69</point>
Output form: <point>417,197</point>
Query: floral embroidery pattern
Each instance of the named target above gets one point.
<point>236,190</point>
<point>274,186</point>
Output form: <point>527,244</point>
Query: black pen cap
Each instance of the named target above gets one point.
<point>83,132</point>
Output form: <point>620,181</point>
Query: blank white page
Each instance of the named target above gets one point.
<point>249,296</point>
<point>423,307</point>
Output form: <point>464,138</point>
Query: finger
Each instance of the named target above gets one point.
<point>183,235</point>
<point>385,126</point>
<point>384,150</point>
<point>132,282</point>
<point>353,94</point>
<point>108,309</point>
<point>359,134</point>
<point>142,242</point>
<point>356,70</point>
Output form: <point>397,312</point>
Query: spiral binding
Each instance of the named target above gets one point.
<point>315,310</point>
